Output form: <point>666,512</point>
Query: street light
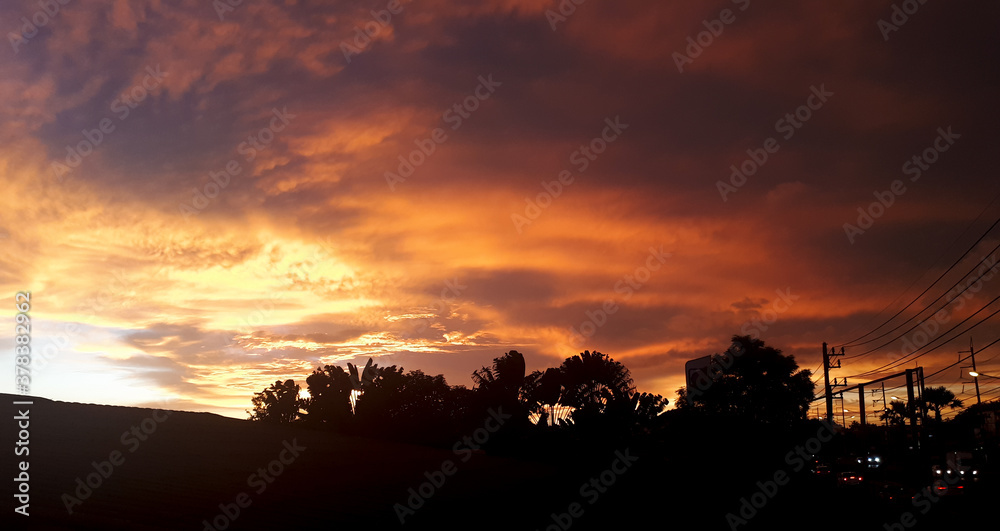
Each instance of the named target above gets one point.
<point>975,378</point>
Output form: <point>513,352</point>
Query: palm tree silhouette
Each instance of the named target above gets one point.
<point>592,381</point>
<point>939,397</point>
<point>363,382</point>
<point>896,413</point>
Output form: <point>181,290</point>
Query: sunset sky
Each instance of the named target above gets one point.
<point>203,199</point>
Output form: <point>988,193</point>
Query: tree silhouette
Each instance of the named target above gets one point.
<point>378,402</point>
<point>278,403</point>
<point>640,410</point>
<point>504,385</point>
<point>411,405</point>
<point>755,382</point>
<point>896,413</point>
<point>592,382</point>
<point>367,378</point>
<point>329,399</point>
<point>939,397</point>
<point>648,407</point>
<point>542,391</point>
<point>549,388</point>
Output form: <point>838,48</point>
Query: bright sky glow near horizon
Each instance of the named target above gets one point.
<point>204,202</point>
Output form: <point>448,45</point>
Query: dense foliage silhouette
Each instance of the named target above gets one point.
<point>753,381</point>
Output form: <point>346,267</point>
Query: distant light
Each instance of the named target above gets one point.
<point>973,374</point>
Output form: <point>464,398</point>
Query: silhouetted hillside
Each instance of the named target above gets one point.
<point>189,463</point>
<point>184,465</point>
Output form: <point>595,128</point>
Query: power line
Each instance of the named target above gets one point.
<point>991,391</point>
<point>904,359</point>
<point>900,325</point>
<point>953,265</point>
<point>990,358</point>
<point>960,360</point>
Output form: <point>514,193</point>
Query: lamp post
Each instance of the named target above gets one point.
<point>975,378</point>
<point>973,373</point>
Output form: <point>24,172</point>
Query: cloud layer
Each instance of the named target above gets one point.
<point>213,200</point>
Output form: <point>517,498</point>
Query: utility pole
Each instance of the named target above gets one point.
<point>861,404</point>
<point>885,405</point>
<point>975,378</point>
<point>910,399</point>
<point>826,377</point>
<point>922,402</point>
